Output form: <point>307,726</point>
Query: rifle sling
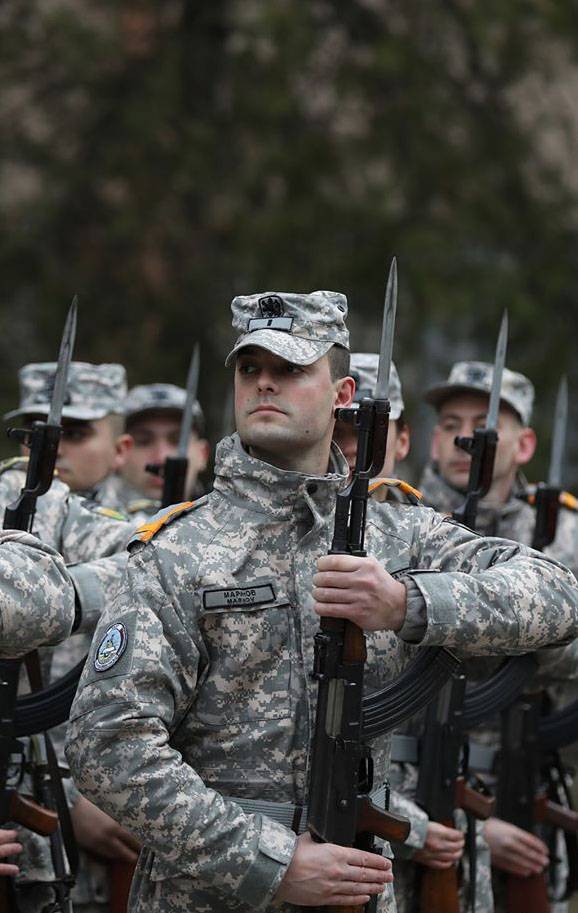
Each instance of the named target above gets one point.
<point>290,815</point>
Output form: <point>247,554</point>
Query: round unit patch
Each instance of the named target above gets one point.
<point>111,647</point>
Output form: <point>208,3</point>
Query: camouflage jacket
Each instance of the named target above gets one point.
<point>82,532</point>
<point>36,595</point>
<point>198,684</point>
<point>117,493</point>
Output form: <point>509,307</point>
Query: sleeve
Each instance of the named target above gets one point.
<point>489,595</point>
<point>36,595</point>
<point>137,685</point>
<point>402,805</point>
<point>96,584</point>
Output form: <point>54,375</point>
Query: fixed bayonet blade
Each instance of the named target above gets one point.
<point>64,359</point>
<point>499,363</point>
<point>559,435</point>
<point>387,334</point>
<point>192,387</point>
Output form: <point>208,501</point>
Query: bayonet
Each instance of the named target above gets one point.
<point>63,364</point>
<point>497,374</point>
<point>387,334</point>
<point>192,387</point>
<point>559,435</point>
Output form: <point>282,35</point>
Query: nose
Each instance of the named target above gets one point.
<point>162,450</point>
<point>266,382</point>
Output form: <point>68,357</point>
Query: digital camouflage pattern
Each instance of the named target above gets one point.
<point>212,697</point>
<point>92,391</point>
<point>476,377</point>
<point>364,367</point>
<point>116,493</point>
<point>515,519</point>
<point>157,398</point>
<point>36,595</point>
<point>92,541</point>
<point>297,327</point>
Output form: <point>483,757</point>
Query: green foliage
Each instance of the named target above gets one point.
<point>163,156</point>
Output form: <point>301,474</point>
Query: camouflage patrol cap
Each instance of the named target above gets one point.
<point>476,377</point>
<point>158,398</point>
<point>92,391</point>
<point>363,369</point>
<point>298,327</point>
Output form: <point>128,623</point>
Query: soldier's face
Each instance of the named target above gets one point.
<point>461,415</point>
<point>284,412</point>
<point>397,446</point>
<point>156,437</point>
<point>89,451</point>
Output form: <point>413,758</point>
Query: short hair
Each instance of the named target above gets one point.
<point>339,359</point>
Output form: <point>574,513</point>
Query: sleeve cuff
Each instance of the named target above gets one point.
<point>90,596</point>
<point>276,848</point>
<point>415,625</point>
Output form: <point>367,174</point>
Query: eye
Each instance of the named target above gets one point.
<point>246,368</point>
<point>294,369</point>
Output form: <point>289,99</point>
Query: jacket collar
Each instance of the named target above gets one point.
<point>267,489</point>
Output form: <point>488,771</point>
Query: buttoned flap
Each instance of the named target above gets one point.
<point>247,631</point>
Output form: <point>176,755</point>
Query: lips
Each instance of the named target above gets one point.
<point>267,408</point>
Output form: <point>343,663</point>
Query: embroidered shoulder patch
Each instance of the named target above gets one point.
<point>111,647</point>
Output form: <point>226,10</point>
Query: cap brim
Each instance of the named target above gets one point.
<point>296,349</point>
<point>437,396</point>
<point>81,415</point>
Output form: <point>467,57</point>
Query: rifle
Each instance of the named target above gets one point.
<point>174,470</point>
<point>42,440</point>
<point>440,788</point>
<point>517,791</point>
<point>340,807</point>
<point>547,496</point>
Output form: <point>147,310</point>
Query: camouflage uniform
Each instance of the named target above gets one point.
<point>198,684</point>
<point>514,519</point>
<point>86,534</point>
<point>36,595</point>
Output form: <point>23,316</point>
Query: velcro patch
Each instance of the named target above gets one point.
<point>111,647</point>
<point>271,323</point>
<point>239,597</point>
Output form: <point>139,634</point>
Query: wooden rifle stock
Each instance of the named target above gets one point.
<point>548,812</point>
<point>473,802</point>
<point>373,820</point>
<point>121,875</point>
<point>29,814</point>
<point>439,889</point>
<point>527,895</point>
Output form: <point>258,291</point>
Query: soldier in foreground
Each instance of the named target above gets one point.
<point>461,404</point>
<point>198,686</point>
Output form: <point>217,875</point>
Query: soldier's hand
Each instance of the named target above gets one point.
<point>361,590</point>
<point>514,850</point>
<point>325,874</point>
<point>9,846</point>
<point>443,847</point>
<point>100,835</point>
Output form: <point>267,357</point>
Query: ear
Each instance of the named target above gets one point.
<point>402,444</point>
<point>123,445</point>
<point>344,392</point>
<point>434,450</point>
<point>526,446</point>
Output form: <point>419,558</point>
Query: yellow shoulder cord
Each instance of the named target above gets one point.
<point>412,494</point>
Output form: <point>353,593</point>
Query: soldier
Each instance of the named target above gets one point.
<point>36,595</point>
<point>429,843</point>
<point>93,444</point>
<point>198,685</point>
<point>461,405</point>
<point>363,369</point>
<point>153,419</point>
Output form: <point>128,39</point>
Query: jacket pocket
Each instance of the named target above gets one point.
<point>249,671</point>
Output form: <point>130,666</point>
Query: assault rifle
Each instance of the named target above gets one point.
<point>42,440</point>
<point>441,788</point>
<point>340,807</point>
<point>547,495</point>
<point>174,469</point>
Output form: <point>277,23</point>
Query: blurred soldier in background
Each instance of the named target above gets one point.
<point>462,404</point>
<point>153,414</point>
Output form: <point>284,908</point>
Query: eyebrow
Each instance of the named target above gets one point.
<point>454,415</point>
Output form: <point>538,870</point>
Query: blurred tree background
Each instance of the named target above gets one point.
<point>160,157</point>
